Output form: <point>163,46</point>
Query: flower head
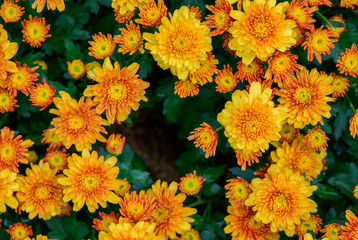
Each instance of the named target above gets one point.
<point>90,180</point>
<point>22,80</point>
<point>191,184</point>
<point>118,90</point>
<point>338,30</point>
<point>12,150</point>
<point>19,231</point>
<point>42,95</point>
<point>56,158</point>
<point>331,232</point>
<point>122,18</point>
<point>41,63</point>
<point>250,72</point>
<point>261,29</point>
<point>246,157</point>
<point>104,223</point>
<point>349,3</point>
<point>115,144</point>
<point>39,192</point>
<point>125,6</point>
<point>225,80</point>
<point>123,188</point>
<point>251,120</point>
<point>205,72</point>
<point>77,122</point>
<point>10,11</point>
<point>35,31</point>
<point>90,67</point>
<point>316,139</point>
<point>348,61</point>
<point>237,191</point>
<point>281,199</point>
<point>220,20</point>
<point>351,228</point>
<point>353,124</point>
<point>130,40</point>
<point>186,88</point>
<point>301,13</point>
<point>102,46</point>
<point>151,14</point>
<point>192,234</point>
<point>7,101</point>
<point>51,4</point>
<point>312,224</point>
<point>8,186</point>
<point>50,137</point>
<point>340,85</point>
<point>206,138</point>
<point>181,44</point>
<point>7,51</point>
<point>319,41</point>
<point>306,97</point>
<point>76,68</point>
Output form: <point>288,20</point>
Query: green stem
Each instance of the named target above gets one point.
<point>207,211</point>
<point>350,103</point>
<point>323,19</point>
<point>219,129</point>
<point>198,202</point>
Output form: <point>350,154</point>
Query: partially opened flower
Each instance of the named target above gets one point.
<point>351,228</point>
<point>41,63</point>
<point>301,13</point>
<point>115,144</point>
<point>348,61</point>
<point>186,88</point>
<point>56,158</point>
<point>7,51</point>
<point>123,187</point>
<point>225,80</point>
<point>152,13</point>
<point>8,186</point>
<point>130,39</point>
<point>237,191</point>
<point>246,157</point>
<point>102,46</point>
<point>90,67</point>
<point>51,4</point>
<point>50,137</point>
<point>206,138</point>
<point>19,231</point>
<point>192,234</point>
<point>35,31</point>
<point>76,68</point>
<point>90,180</point>
<point>10,11</point>
<point>42,95</point>
<point>331,232</point>
<point>316,139</point>
<point>191,184</point>
<point>340,85</point>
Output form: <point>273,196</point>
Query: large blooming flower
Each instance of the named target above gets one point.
<point>281,199</point>
<point>348,61</point>
<point>170,217</point>
<point>90,180</point>
<point>77,122</point>
<point>117,91</point>
<point>181,43</point>
<point>251,120</point>
<point>306,97</point>
<point>39,192</point>
<point>260,30</point>
<point>8,185</point>
<point>152,13</point>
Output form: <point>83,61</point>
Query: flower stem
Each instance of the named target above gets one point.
<point>323,19</point>
<point>219,129</point>
<point>350,103</point>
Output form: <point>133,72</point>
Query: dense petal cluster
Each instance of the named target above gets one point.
<point>35,31</point>
<point>8,186</point>
<point>206,138</point>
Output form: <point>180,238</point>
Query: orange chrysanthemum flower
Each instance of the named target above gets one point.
<point>12,150</point>
<point>312,224</point>
<point>225,80</point>
<point>196,11</point>
<point>117,91</point>
<point>7,101</point>
<point>39,192</point>
<point>90,180</point>
<point>316,139</point>
<point>170,217</point>
<point>191,184</point>
<point>181,44</point>
<point>281,66</point>
<point>32,157</point>
<point>22,80</point>
<point>125,6</point>
<point>89,68</point>
<point>349,3</point>
<point>186,88</point>
<point>205,72</point>
<point>8,186</point>
<point>151,14</point>
<point>281,199</point>
<point>128,231</point>
<point>340,85</point>
<point>10,11</point>
<point>77,122</point>
<point>41,63</point>
<point>130,40</point>
<point>220,20</point>
<point>251,72</point>
<point>351,228</point>
<point>115,144</point>
<point>301,13</point>
<point>299,158</point>
<point>353,124</point>
<point>331,231</point>
<point>306,97</point>
<point>42,95</point>
<point>242,225</point>
<point>35,31</point>
<point>261,29</point>
<point>135,208</point>
<point>246,157</point>
<point>319,41</point>
<point>237,191</point>
<point>123,188</point>
<point>51,4</point>
<point>104,223</point>
<point>338,30</point>
<point>76,68</point>
<point>348,61</point>
<point>19,231</point>
<point>102,46</point>
<point>251,120</point>
<point>56,158</point>
<point>206,138</point>
<point>123,18</point>
<point>50,137</point>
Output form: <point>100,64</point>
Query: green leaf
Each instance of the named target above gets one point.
<point>248,174</point>
<point>73,51</point>
<point>210,189</point>
<point>343,113</point>
<point>105,2</point>
<point>66,228</point>
<point>65,21</point>
<point>213,173</point>
<point>146,66</point>
<point>172,107</point>
<point>92,5</point>
<point>326,192</point>
<point>79,34</point>
<point>337,24</point>
<point>139,179</point>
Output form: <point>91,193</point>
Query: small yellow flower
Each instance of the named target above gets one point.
<point>123,187</point>
<point>191,184</point>
<point>35,31</point>
<point>42,95</point>
<point>206,138</point>
<point>19,231</point>
<point>130,40</point>
<point>10,11</point>
<point>102,46</point>
<point>76,68</point>
<point>348,61</point>
<point>115,144</point>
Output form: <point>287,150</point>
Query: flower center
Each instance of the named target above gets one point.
<point>320,42</point>
<point>4,100</point>
<point>161,215</point>
<point>42,192</point>
<point>239,191</point>
<point>261,27</point>
<point>220,18</point>
<point>132,39</point>
<point>56,160</point>
<point>18,79</point>
<point>153,14</point>
<point>351,63</point>
<point>303,95</point>
<point>90,182</point>
<point>280,204</point>
<point>20,233</point>
<point>7,152</point>
<point>135,208</point>
<point>117,91</point>
<point>76,122</point>
<point>281,64</point>
<point>35,31</point>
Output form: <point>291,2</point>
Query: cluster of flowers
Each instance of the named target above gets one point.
<point>277,104</point>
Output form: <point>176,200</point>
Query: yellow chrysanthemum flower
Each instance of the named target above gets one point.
<point>192,234</point>
<point>19,231</point>
<point>8,185</point>
<point>23,80</point>
<point>306,97</point>
<point>316,139</point>
<point>250,72</point>
<point>76,68</point>
<point>191,184</point>
<point>137,207</point>
<point>220,20</point>
<point>7,101</point>
<point>115,144</point>
<point>117,91</point>
<point>90,66</point>
<point>38,237</point>
<point>42,95</point>
<point>288,132</point>
<point>127,231</point>
<point>39,192</point>
<point>10,11</point>
<point>206,138</point>
<point>130,39</point>
<point>237,191</point>
<point>7,51</point>
<point>181,43</point>
<point>331,232</point>
<point>33,157</point>
<point>225,80</point>
<point>35,31</point>
<point>251,120</point>
<point>301,13</point>
<point>281,199</point>
<point>51,4</point>
<point>90,180</point>
<point>123,188</point>
<point>351,228</point>
<point>151,14</point>
<point>77,122</point>
<point>340,85</point>
<point>56,158</point>
<point>312,224</point>
<point>50,137</point>
<point>348,61</point>
<point>102,46</point>
<point>261,29</point>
